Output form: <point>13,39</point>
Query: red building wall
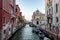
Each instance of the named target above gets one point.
<point>0,19</point>
<point>7,15</point>
<point>4,12</point>
<point>0,4</point>
<point>0,14</point>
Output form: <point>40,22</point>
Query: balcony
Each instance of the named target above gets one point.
<point>49,15</point>
<point>56,24</point>
<point>12,15</point>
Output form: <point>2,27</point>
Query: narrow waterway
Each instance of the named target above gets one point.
<point>25,34</point>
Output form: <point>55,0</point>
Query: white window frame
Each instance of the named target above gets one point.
<point>4,4</point>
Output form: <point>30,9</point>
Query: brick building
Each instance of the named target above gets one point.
<point>7,17</point>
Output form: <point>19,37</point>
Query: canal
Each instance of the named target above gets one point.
<point>26,34</point>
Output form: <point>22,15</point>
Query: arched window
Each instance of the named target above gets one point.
<point>37,22</point>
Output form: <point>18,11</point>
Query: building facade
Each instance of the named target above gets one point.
<point>53,18</point>
<point>38,19</point>
<point>18,17</point>
<point>6,18</point>
<point>43,21</point>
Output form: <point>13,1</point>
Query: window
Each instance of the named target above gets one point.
<point>12,2</point>
<point>4,20</point>
<point>13,21</point>
<point>9,29</point>
<point>49,0</point>
<point>56,7</point>
<point>53,27</point>
<point>49,11</point>
<point>57,19</point>
<point>4,4</point>
<point>49,20</point>
<point>57,27</point>
<point>4,31</point>
<point>42,18</point>
<point>52,10</point>
<point>50,26</point>
<point>37,22</point>
<point>16,9</point>
<point>12,12</point>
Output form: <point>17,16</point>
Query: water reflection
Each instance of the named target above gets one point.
<point>25,34</point>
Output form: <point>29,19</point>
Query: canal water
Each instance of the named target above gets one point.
<point>26,34</point>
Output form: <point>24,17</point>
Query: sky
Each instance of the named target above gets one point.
<point>29,6</point>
